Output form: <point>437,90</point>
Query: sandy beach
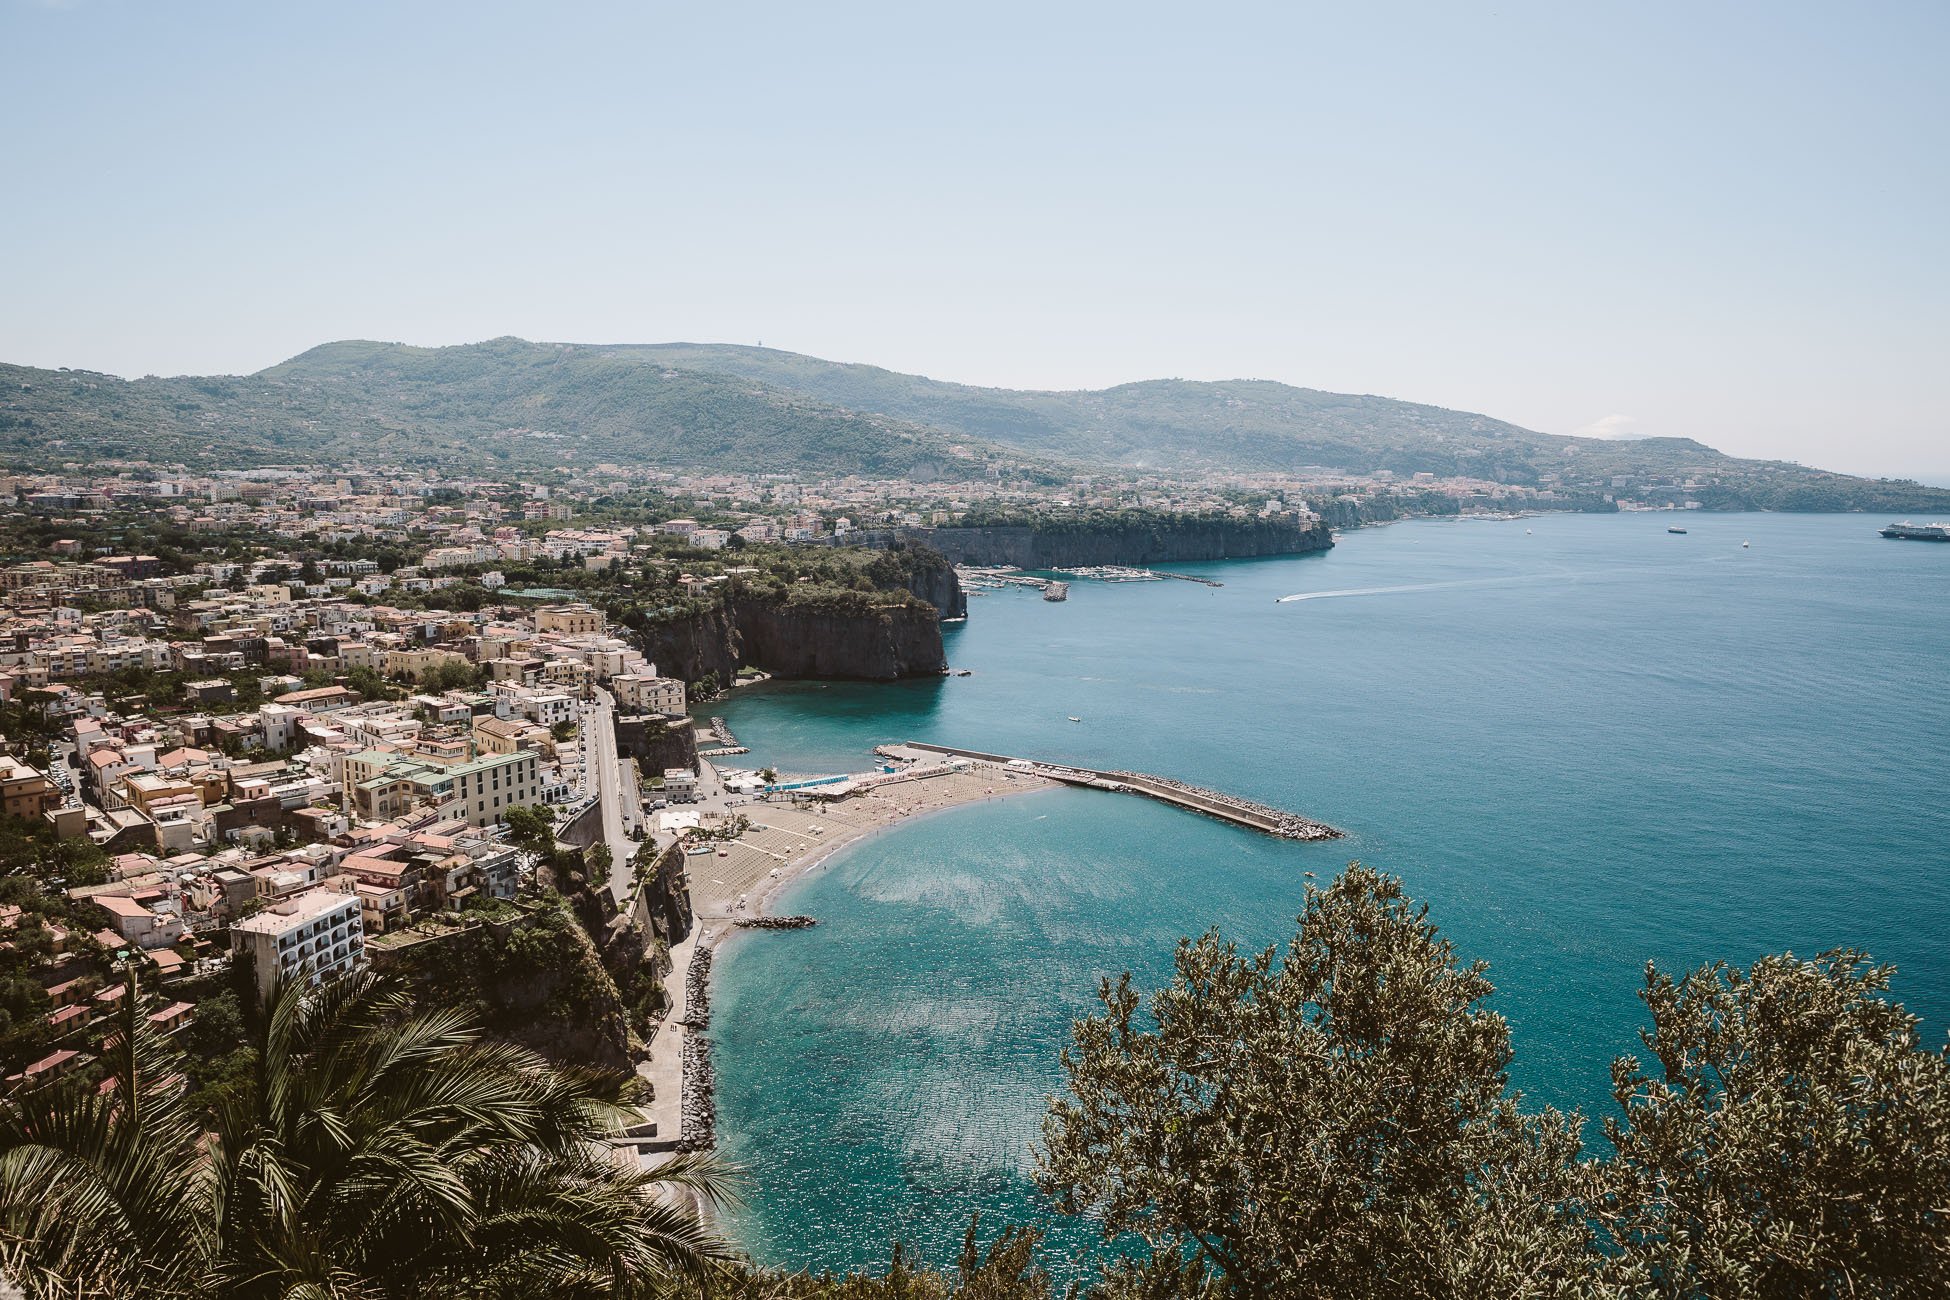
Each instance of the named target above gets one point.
<point>740,879</point>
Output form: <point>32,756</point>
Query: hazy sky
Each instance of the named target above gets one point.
<point>1717,220</point>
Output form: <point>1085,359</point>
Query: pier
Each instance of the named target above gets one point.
<point>727,744</point>
<point>1212,803</point>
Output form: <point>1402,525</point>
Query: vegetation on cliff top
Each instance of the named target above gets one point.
<point>1102,522</point>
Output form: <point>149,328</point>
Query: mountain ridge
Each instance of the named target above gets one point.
<point>507,404</point>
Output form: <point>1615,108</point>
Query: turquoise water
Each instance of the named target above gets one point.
<point>1584,747</point>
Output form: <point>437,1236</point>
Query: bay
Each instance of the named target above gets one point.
<point>1585,742</point>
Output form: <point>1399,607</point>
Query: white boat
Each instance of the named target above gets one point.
<point>1073,718</point>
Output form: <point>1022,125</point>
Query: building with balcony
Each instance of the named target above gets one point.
<point>313,936</point>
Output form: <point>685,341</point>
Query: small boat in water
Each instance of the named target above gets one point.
<point>1680,531</point>
<point>1745,545</point>
<point>1074,718</point>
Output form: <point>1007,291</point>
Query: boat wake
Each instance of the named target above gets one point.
<point>1389,591</point>
<point>1548,575</point>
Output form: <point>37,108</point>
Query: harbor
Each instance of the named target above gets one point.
<point>1212,803</point>
<point>978,578</point>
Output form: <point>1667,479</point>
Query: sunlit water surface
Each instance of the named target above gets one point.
<point>1585,742</point>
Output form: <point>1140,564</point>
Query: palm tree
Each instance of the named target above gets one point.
<point>98,1189</point>
<point>380,1152</point>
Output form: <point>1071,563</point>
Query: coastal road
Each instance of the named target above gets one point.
<point>604,776</point>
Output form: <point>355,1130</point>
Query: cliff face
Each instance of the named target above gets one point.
<point>539,982</point>
<point>662,908</point>
<point>793,640</point>
<point>932,578</point>
<point>1149,542</point>
<point>809,641</point>
<point>655,743</point>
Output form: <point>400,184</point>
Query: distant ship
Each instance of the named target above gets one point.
<point>1908,532</point>
<point>1680,531</point>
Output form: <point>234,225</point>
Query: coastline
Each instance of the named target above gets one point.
<point>827,848</point>
<point>780,850</point>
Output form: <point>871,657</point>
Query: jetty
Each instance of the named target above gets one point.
<point>1212,803</point>
<point>726,745</point>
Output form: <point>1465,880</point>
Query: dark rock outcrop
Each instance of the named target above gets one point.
<point>932,578</point>
<point>657,743</point>
<point>663,905</point>
<point>788,639</point>
<point>1151,540</point>
<point>538,981</point>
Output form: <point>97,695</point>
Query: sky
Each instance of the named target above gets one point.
<point>1723,221</point>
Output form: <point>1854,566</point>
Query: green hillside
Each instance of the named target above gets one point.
<point>1246,424</point>
<point>504,404</point>
<point>508,405</point>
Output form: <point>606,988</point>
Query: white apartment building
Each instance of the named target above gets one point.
<point>314,936</point>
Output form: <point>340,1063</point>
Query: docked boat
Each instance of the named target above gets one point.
<point>1908,532</point>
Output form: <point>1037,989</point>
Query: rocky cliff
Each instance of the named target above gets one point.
<point>1152,539</point>
<point>931,577</point>
<point>538,981</point>
<point>657,743</point>
<point>789,636</point>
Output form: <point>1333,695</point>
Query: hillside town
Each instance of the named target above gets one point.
<point>259,760</point>
<point>280,716</point>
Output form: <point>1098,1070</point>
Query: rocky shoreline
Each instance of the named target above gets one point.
<point>697,1126</point>
<point>775,922</point>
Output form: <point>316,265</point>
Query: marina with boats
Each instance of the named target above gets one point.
<point>979,578</point>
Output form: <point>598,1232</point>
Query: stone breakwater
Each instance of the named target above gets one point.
<point>1285,825</point>
<point>1213,803</point>
<point>697,1124</point>
<point>775,923</point>
<point>697,990</point>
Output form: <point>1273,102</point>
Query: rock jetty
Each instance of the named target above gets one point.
<point>697,990</point>
<point>1285,825</point>
<point>697,1108</point>
<point>697,1127</point>
<point>775,923</point>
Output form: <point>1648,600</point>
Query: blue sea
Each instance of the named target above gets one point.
<point>1585,742</point>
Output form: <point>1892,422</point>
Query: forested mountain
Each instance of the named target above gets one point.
<point>508,404</point>
<point>504,404</point>
<point>1249,424</point>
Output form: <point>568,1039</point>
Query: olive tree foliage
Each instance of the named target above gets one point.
<point>1006,1269</point>
<point>1791,1138</point>
<point>1328,1121</point>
